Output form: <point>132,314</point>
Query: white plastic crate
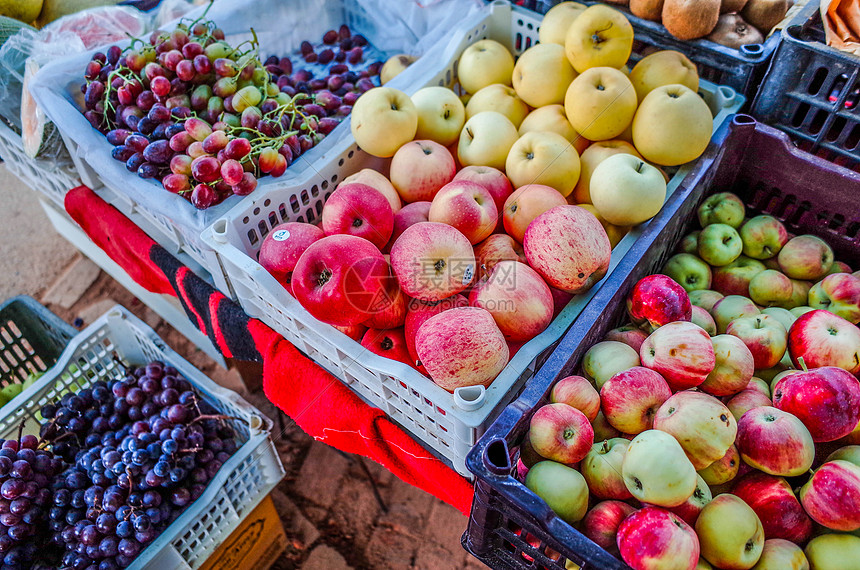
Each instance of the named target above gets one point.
<point>239,486</point>
<point>177,221</point>
<point>53,177</point>
<point>447,424</point>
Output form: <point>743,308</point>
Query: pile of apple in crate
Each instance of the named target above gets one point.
<point>719,429</point>
<point>494,213</point>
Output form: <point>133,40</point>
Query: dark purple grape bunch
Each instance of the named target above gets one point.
<point>126,486</point>
<point>26,473</point>
<point>79,420</point>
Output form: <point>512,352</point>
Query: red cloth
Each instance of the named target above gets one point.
<point>317,401</point>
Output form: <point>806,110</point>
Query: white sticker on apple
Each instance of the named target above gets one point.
<point>467,274</point>
<point>281,235</point>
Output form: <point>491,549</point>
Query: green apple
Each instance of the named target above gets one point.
<point>383,120</point>
<point>12,390</point>
<point>733,368</point>
<point>730,533</point>
<point>705,298</point>
<point>626,190</point>
<point>782,315</point>
<point>799,294</point>
<point>805,257</point>
<point>689,271</point>
<point>703,318</point>
<point>781,554</point>
<point>723,469</point>
<point>734,278</point>
<point>800,311</point>
<point>770,288</point>
<point>702,424</point>
<point>722,208</point>
<point>441,115</point>
<point>564,489</point>
<point>833,552</point>
<point>763,237</point>
<point>602,469</point>
<point>690,243</point>
<point>606,359</point>
<point>849,453</point>
<point>719,244</point>
<point>656,469</point>
<point>4,399</point>
<point>730,308</point>
<point>839,267</point>
<point>703,564</point>
<point>602,429</point>
<point>486,140</point>
<point>838,293</point>
<point>483,63</point>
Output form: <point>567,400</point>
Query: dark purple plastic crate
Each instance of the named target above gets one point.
<point>510,527</point>
<point>812,91</point>
<point>741,69</point>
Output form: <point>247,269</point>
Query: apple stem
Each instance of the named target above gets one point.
<point>639,167</point>
<point>802,364</point>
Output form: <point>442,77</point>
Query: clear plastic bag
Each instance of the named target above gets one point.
<point>99,26</point>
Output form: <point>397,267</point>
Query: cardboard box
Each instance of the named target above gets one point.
<point>256,545</point>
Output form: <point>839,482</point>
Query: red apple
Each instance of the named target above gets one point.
<point>775,442</point>
<point>764,336</point>
<point>832,496</point>
<point>681,352</point>
<point>568,247</point>
<point>805,257</point>
<point>432,261</point>
<point>392,311</point>
<point>525,204</point>
<point>340,279</point>
<point>409,215</point>
<point>657,300</point>
<point>494,180</point>
<point>630,335</point>
<point>824,339</point>
<point>735,278</point>
<point>838,293</point>
<point>578,392</point>
<point>601,523</point>
<point>827,401</point>
<point>282,247</point>
<point>653,538</point>
<point>774,502</point>
<point>358,210</point>
<point>388,343</point>
<point>517,297</point>
<point>745,400</point>
<point>355,332</point>
<point>561,433</point>
<point>560,300</point>
<point>467,207</point>
<point>630,399</point>
<point>420,168</point>
<point>496,248</point>
<point>462,347</point>
<point>419,311</point>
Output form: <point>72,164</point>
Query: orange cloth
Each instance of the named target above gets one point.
<point>842,24</point>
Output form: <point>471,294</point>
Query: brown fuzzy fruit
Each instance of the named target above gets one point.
<point>647,9</point>
<point>690,19</point>
<point>732,6</point>
<point>764,14</point>
<point>732,31</point>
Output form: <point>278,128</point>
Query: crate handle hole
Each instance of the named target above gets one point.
<point>220,230</point>
<point>469,398</point>
<point>752,50</point>
<point>497,459</point>
<point>741,119</point>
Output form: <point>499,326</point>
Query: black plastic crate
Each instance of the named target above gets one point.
<point>509,525</point>
<point>812,92</point>
<point>741,69</point>
<point>31,339</point>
